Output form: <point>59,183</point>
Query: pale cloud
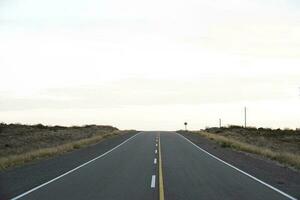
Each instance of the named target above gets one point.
<point>151,92</point>
<point>175,56</point>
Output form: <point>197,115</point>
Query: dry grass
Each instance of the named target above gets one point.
<point>14,160</point>
<point>283,156</point>
<point>21,144</point>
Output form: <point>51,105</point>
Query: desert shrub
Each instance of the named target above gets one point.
<point>1,127</point>
<point>225,144</point>
<point>234,127</point>
<point>251,128</point>
<point>40,126</point>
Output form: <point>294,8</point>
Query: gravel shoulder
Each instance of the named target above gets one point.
<point>271,172</point>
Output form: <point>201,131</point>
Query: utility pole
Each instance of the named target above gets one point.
<point>245,117</point>
<point>220,123</point>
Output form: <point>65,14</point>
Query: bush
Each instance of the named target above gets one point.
<point>225,144</point>
<point>234,126</point>
<point>40,126</point>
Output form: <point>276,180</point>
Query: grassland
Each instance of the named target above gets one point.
<point>20,144</point>
<point>276,144</point>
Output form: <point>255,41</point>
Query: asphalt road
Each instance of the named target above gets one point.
<point>131,171</point>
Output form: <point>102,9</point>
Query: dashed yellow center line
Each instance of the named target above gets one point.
<point>161,179</point>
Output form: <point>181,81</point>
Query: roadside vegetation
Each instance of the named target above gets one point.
<point>276,144</point>
<point>20,144</point>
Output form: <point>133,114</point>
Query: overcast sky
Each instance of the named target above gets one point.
<point>150,64</point>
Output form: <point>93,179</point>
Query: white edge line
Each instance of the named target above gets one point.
<point>153,181</point>
<point>76,168</point>
<point>155,161</point>
<point>241,171</point>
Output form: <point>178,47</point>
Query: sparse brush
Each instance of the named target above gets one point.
<point>20,144</point>
<point>281,155</point>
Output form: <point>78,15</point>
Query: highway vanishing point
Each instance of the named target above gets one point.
<point>154,165</point>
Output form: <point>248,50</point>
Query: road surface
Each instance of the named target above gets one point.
<point>154,165</point>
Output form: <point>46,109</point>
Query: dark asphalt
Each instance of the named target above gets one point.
<point>125,174</point>
<point>270,171</point>
<point>192,174</point>
<point>21,179</point>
